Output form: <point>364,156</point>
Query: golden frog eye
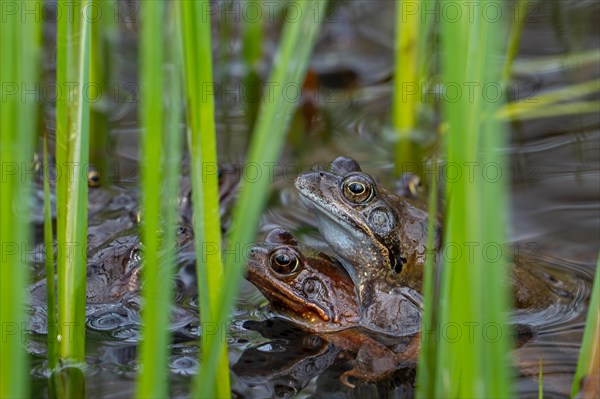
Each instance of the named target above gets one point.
<point>284,261</point>
<point>93,178</point>
<point>358,188</point>
<point>415,186</point>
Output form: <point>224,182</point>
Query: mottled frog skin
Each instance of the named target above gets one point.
<point>381,237</point>
<point>113,270</point>
<point>313,290</point>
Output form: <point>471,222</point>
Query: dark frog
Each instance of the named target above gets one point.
<point>113,270</point>
<point>379,235</point>
<point>313,290</point>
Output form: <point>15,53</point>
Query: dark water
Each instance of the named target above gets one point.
<point>555,204</point>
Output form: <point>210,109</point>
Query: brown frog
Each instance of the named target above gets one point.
<point>381,237</point>
<point>113,270</point>
<point>313,290</point>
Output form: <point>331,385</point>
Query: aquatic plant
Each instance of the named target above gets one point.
<point>72,151</point>
<point>160,168</point>
<point>472,293</point>
<point>589,354</point>
<point>271,126</point>
<point>102,65</point>
<point>20,55</point>
<point>252,33</point>
<point>196,35</point>
<point>409,32</point>
<point>50,266</point>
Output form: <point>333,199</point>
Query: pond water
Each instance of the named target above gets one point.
<point>555,210</point>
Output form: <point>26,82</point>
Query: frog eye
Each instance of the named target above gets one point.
<point>284,261</point>
<point>415,186</point>
<point>358,188</point>
<point>93,177</point>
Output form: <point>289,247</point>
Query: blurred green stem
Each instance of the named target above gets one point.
<point>472,291</point>
<point>49,251</point>
<point>72,151</point>
<point>514,40</point>
<point>426,370</point>
<point>196,34</point>
<point>161,155</point>
<point>267,140</point>
<point>406,83</point>
<point>589,354</point>
<point>103,34</point>
<point>20,45</point>
<point>252,28</point>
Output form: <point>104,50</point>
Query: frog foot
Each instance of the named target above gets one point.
<point>372,369</point>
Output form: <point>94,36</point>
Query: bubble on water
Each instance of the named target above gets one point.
<point>184,365</point>
<point>129,333</point>
<point>109,319</point>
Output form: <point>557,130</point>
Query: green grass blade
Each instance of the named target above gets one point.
<point>20,55</point>
<point>161,154</point>
<point>541,65</point>
<point>252,32</point>
<point>536,105</point>
<point>555,110</point>
<point>406,64</point>
<point>205,186</point>
<point>426,369</point>
<point>406,81</point>
<point>50,287</point>
<point>72,149</point>
<point>267,140</point>
<point>589,354</point>
<point>103,36</point>
<point>473,296</point>
<point>514,40</point>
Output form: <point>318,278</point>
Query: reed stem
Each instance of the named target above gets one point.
<point>589,354</point>
<point>103,34</point>
<point>161,154</point>
<point>473,296</point>
<point>267,140</point>
<point>50,275</point>
<point>426,370</point>
<point>196,34</point>
<point>20,55</point>
<point>406,83</point>
<point>72,149</point>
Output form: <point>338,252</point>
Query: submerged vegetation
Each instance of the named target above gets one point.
<point>176,50</point>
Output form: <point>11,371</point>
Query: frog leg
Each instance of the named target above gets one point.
<point>373,361</point>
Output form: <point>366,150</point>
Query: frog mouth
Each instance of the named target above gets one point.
<point>349,228</point>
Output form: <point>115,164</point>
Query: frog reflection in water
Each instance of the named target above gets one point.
<point>381,237</point>
<point>315,292</point>
<point>113,270</point>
